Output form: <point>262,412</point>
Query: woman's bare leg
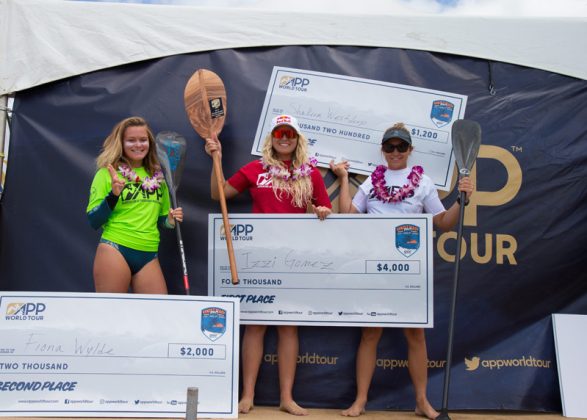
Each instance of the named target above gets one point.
<point>287,358</point>
<point>150,279</point>
<point>418,368</point>
<point>252,357</point>
<point>366,359</point>
<point>111,272</point>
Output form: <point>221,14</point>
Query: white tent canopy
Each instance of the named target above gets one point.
<point>48,40</point>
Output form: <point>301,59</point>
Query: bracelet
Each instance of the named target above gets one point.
<point>459,200</point>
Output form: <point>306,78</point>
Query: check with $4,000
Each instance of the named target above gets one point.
<point>347,270</point>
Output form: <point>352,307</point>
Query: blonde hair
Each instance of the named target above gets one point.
<point>112,150</point>
<point>399,126</point>
<point>301,189</point>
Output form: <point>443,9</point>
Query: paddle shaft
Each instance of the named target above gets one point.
<point>186,283</point>
<point>220,183</point>
<point>444,410</point>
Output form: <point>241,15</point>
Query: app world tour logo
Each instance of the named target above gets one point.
<point>25,311</point>
<point>294,83</point>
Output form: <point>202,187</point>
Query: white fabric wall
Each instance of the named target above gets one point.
<point>46,40</point>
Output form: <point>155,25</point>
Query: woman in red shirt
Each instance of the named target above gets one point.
<point>284,180</point>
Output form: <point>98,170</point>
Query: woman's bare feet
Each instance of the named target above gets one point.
<point>354,410</point>
<point>245,405</point>
<point>291,407</point>
<point>424,409</point>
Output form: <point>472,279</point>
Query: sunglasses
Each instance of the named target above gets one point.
<point>289,133</point>
<point>403,147</point>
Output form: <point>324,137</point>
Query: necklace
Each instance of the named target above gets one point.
<point>305,169</point>
<point>149,183</point>
<point>381,191</point>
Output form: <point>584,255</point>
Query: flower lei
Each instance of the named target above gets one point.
<point>305,169</point>
<point>382,193</point>
<point>149,183</point>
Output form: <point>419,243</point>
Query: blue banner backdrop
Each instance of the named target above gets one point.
<point>524,239</point>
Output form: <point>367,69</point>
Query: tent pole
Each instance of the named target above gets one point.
<point>3,114</point>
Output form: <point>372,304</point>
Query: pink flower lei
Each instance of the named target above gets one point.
<point>284,174</point>
<point>149,183</point>
<point>381,191</point>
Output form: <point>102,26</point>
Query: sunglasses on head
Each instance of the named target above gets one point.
<point>289,133</point>
<point>389,147</point>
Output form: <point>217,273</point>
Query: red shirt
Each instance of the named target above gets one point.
<point>260,185</point>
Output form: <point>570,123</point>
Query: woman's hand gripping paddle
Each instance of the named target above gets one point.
<point>205,104</point>
<point>466,140</point>
<point>171,154</point>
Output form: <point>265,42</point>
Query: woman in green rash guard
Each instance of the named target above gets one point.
<point>129,199</point>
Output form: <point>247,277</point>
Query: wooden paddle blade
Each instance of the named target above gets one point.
<point>205,102</point>
<point>466,140</point>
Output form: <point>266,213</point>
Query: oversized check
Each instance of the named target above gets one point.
<point>117,355</point>
<point>345,117</point>
<point>347,270</point>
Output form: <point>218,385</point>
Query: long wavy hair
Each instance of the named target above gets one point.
<point>300,190</point>
<point>112,152</point>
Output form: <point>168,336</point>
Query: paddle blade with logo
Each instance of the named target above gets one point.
<point>205,102</point>
<point>171,154</point>
<point>466,140</point>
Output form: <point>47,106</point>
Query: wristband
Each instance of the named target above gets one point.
<point>111,200</point>
<point>459,200</point>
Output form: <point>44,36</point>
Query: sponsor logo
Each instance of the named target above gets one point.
<point>264,180</point>
<point>472,364</point>
<point>407,239</point>
<point>523,362</point>
<point>441,112</point>
<point>403,364</point>
<point>298,84</point>
<point>213,321</point>
<point>28,311</point>
<point>305,359</point>
<point>238,232</point>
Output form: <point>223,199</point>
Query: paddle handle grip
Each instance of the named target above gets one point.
<point>220,183</point>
